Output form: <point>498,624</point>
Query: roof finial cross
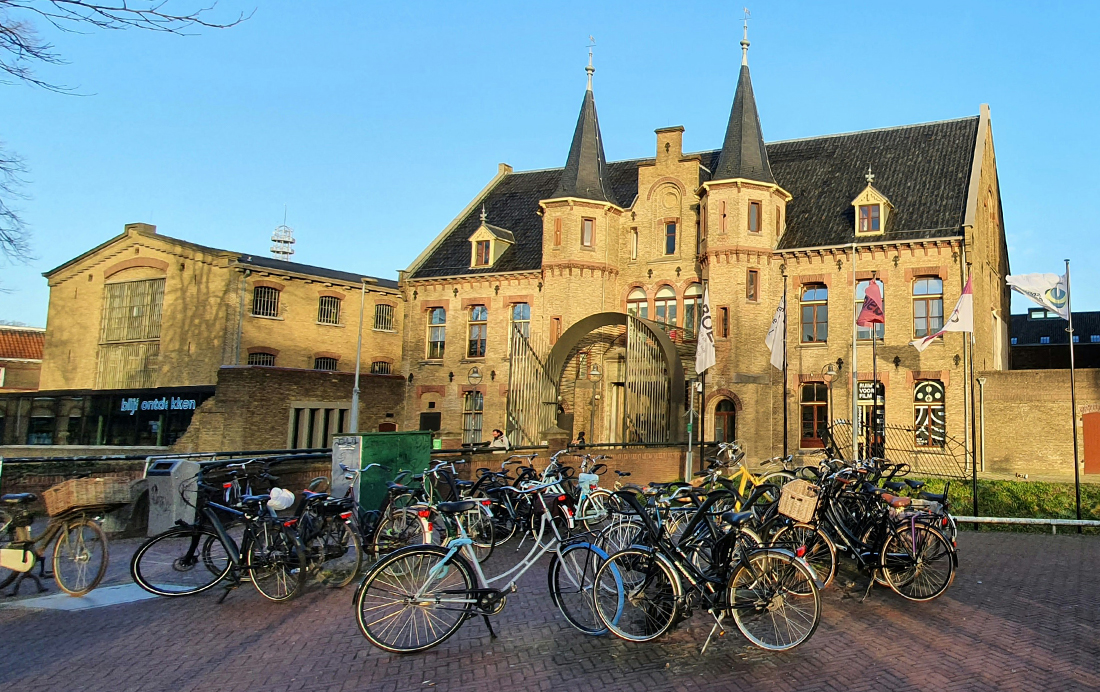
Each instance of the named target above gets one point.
<point>870,176</point>
<point>590,70</point>
<point>745,40</point>
<point>483,213</point>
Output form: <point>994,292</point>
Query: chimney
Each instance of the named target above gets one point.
<point>670,142</point>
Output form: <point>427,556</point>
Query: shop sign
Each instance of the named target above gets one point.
<point>133,404</point>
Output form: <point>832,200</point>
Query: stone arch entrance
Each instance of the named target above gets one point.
<point>636,393</point>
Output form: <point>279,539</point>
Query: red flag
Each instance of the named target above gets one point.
<point>872,307</point>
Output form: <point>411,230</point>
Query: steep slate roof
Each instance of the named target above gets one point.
<point>744,154</point>
<point>924,170</point>
<point>21,342</point>
<point>585,172</point>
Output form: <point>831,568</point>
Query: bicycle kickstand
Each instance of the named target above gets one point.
<point>870,585</point>
<point>717,628</point>
<point>492,634</point>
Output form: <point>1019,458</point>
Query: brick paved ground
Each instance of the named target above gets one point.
<point>1023,614</point>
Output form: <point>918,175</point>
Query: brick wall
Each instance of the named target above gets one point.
<point>251,407</point>
<point>1027,421</point>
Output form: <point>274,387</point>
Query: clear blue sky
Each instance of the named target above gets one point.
<point>375,123</point>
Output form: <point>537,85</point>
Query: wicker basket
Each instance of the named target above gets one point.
<point>86,492</point>
<point>798,500</point>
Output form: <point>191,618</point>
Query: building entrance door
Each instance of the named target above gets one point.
<point>1091,423</point>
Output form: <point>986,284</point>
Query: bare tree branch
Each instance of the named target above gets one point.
<point>22,49</point>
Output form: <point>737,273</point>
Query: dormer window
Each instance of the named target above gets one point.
<point>481,253</point>
<point>872,211</point>
<point>869,218</point>
<point>488,243</point>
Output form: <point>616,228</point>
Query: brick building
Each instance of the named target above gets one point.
<point>139,327</point>
<point>596,272</point>
<point>20,358</point>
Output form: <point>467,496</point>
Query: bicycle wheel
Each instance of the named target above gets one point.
<point>818,549</point>
<point>504,524</point>
<point>918,562</point>
<point>80,556</point>
<point>774,600</point>
<point>778,478</point>
<point>636,594</point>
<point>180,562</point>
<point>342,555</point>
<point>593,510</point>
<point>479,527</point>
<point>400,528</point>
<point>411,600</point>
<point>7,576</point>
<point>276,561</point>
<point>623,532</point>
<point>571,580</point>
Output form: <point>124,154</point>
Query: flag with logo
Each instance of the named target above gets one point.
<point>704,349</point>
<point>1049,290</point>
<point>872,312</point>
<point>960,320</point>
<point>776,340</point>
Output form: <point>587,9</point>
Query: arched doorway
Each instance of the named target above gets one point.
<point>725,421</point>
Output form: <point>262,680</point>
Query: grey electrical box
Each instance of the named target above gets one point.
<point>346,451</point>
<point>173,492</point>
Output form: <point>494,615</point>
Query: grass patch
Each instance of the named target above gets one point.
<point>1030,499</point>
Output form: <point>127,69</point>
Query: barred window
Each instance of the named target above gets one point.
<point>265,301</point>
<point>131,310</point>
<point>383,318</point>
<point>324,363</point>
<point>380,367</point>
<point>328,310</point>
<point>261,359</point>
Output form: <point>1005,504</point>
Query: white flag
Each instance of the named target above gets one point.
<point>960,320</point>
<point>1048,290</point>
<point>776,340</point>
<point>704,350</point>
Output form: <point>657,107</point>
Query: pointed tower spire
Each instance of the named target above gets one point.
<point>585,172</point>
<point>743,153</point>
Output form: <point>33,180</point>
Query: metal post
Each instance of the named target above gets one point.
<point>872,438</point>
<point>786,425</point>
<point>688,461</point>
<point>354,425</point>
<point>855,365</point>
<point>973,419</point>
<point>1073,402</point>
<point>981,417</point>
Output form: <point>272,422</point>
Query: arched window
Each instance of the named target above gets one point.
<point>815,313</point>
<point>693,309</point>
<point>664,307</point>
<point>725,421</point>
<point>927,305</point>
<point>864,333</point>
<point>637,304</point>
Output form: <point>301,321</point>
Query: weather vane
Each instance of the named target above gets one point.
<point>590,69</point>
<point>870,176</point>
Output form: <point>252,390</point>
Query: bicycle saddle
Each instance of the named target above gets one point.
<point>915,485</point>
<point>934,497</point>
<point>736,518</point>
<point>456,507</point>
<point>895,501</point>
<point>254,499</point>
<point>396,487</point>
<point>896,486</point>
<point>18,498</point>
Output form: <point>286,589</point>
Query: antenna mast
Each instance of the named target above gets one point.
<point>282,241</point>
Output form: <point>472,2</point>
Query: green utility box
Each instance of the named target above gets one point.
<point>398,451</point>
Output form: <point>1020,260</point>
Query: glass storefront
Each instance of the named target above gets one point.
<point>125,418</point>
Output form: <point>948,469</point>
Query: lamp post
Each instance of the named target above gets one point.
<point>829,373</point>
<point>354,426</point>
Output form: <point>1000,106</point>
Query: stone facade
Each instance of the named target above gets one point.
<point>207,302</point>
<point>676,226</point>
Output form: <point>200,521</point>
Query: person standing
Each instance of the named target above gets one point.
<point>500,440</point>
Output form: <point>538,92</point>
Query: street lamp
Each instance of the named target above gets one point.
<point>829,373</point>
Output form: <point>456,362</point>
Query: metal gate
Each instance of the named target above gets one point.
<point>646,412</point>
<point>532,390</point>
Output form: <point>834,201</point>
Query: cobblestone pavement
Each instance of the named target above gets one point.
<point>1023,614</point>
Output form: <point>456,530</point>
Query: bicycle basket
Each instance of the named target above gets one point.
<point>798,500</point>
<point>86,492</point>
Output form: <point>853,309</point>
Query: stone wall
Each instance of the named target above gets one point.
<point>1027,422</point>
<point>252,406</point>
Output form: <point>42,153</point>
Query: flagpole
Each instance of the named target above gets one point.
<point>855,365</point>
<point>1073,402</point>
<point>785,407</point>
<point>873,436</point>
<point>968,370</point>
